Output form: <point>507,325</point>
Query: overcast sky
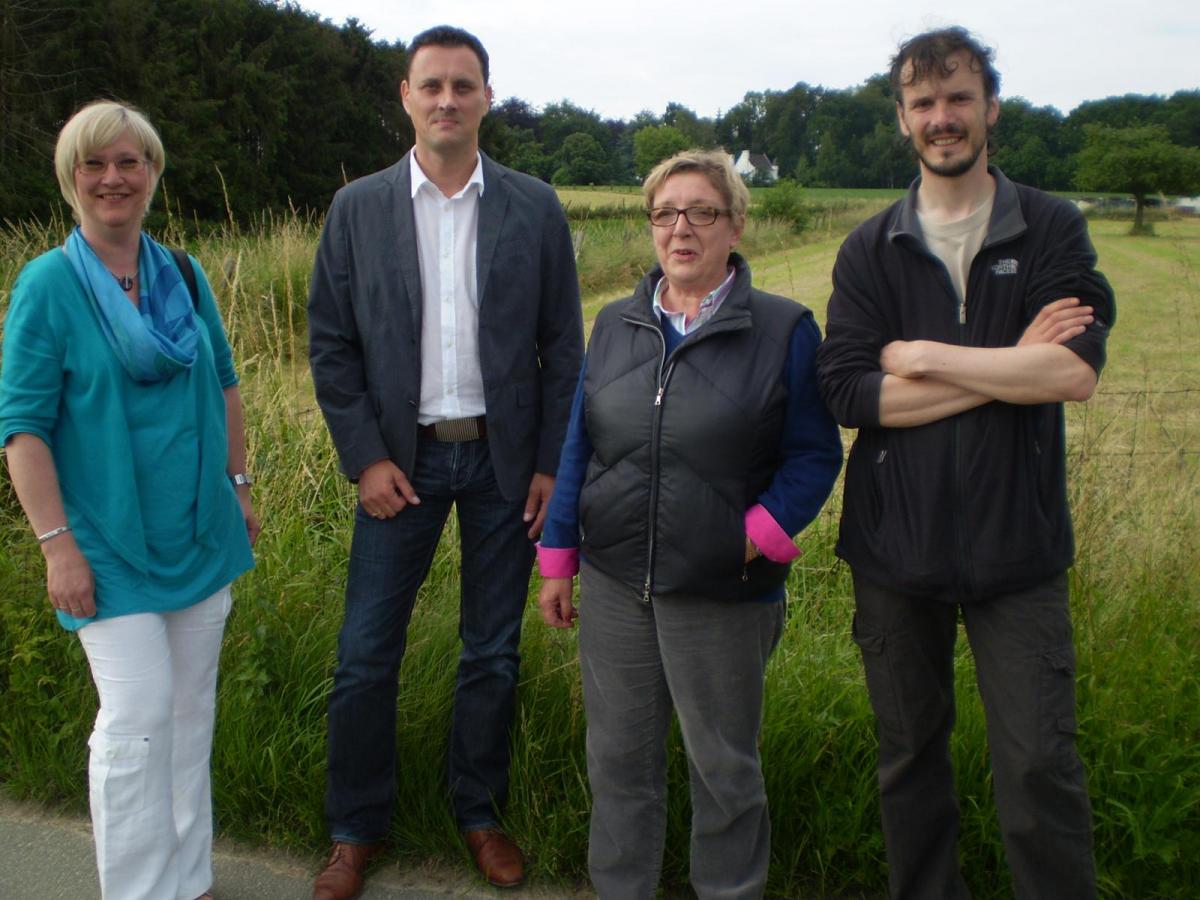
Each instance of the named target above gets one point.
<point>618,57</point>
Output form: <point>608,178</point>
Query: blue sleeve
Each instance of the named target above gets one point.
<point>811,447</point>
<point>561,528</point>
<point>31,363</point>
<point>207,310</point>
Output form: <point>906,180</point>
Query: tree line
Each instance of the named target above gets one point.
<point>263,105</point>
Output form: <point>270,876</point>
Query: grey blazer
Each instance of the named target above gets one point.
<point>364,320</point>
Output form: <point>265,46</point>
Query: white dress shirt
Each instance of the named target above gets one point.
<point>451,378</point>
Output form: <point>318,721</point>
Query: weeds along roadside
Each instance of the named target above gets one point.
<point>1133,483</point>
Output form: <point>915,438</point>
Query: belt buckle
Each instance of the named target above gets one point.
<point>457,430</point>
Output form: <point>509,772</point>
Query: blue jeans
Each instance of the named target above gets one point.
<point>389,559</point>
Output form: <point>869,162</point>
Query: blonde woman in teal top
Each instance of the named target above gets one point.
<point>122,423</point>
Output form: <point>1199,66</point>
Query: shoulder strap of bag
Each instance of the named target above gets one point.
<point>188,273</point>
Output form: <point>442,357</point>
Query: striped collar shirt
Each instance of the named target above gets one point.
<point>708,306</point>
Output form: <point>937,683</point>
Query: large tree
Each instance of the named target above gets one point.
<point>1032,146</point>
<point>563,119</point>
<point>739,126</point>
<point>39,69</point>
<point>700,133</point>
<point>508,135</point>
<point>653,144</point>
<point>848,152</point>
<point>784,132</point>
<point>581,161</point>
<point>260,105</point>
<point>1140,161</point>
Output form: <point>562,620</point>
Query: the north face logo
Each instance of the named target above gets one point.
<point>1004,267</point>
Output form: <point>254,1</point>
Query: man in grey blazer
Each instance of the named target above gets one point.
<point>445,342</point>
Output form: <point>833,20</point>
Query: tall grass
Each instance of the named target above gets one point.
<point>1135,453</point>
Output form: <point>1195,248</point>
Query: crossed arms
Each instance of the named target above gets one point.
<point>925,381</point>
<point>1042,339</point>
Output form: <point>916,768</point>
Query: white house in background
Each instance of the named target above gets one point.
<point>750,164</point>
<point>1189,205</point>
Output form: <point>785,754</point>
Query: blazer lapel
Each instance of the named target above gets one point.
<point>492,206</point>
<point>400,212</point>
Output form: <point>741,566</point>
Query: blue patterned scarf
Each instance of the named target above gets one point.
<point>156,339</point>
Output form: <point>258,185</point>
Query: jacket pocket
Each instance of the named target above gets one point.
<point>868,467</point>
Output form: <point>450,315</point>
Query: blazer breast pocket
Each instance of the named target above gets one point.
<point>513,253</point>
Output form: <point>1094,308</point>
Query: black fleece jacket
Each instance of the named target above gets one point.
<point>976,503</point>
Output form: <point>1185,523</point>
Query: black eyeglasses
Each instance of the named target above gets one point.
<point>666,216</point>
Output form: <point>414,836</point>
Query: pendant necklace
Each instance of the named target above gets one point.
<point>125,281</point>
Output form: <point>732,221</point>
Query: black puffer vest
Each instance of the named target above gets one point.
<point>684,444</point>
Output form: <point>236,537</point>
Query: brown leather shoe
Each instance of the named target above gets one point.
<point>341,878</point>
<point>496,856</point>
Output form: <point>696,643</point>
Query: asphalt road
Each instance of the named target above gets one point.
<point>46,856</point>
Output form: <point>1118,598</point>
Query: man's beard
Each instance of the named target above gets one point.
<point>953,168</point>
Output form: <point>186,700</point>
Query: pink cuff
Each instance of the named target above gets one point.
<point>558,562</point>
<point>772,541</point>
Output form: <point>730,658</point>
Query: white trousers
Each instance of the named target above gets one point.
<point>149,769</point>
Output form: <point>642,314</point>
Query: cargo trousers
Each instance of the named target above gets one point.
<point>1025,670</point>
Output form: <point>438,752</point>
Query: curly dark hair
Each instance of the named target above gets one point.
<point>930,56</point>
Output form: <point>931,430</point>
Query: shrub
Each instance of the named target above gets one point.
<point>785,202</point>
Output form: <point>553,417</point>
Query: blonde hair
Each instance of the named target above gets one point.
<point>96,126</point>
<point>716,166</point>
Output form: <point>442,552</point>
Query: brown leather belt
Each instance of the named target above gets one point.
<point>455,430</point>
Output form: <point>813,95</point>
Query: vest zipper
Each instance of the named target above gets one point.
<point>664,375</point>
<point>655,438</point>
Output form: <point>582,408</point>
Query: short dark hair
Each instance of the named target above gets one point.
<point>449,36</point>
<point>930,54</point>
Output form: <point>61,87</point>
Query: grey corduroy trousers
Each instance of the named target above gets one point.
<point>705,659</point>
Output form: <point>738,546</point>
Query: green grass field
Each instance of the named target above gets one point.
<point>1135,456</point>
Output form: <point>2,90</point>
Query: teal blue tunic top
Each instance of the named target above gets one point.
<point>141,466</point>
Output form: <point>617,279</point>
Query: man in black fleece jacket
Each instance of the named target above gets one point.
<point>961,319</point>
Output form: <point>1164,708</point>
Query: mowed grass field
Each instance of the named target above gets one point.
<point>1135,456</point>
